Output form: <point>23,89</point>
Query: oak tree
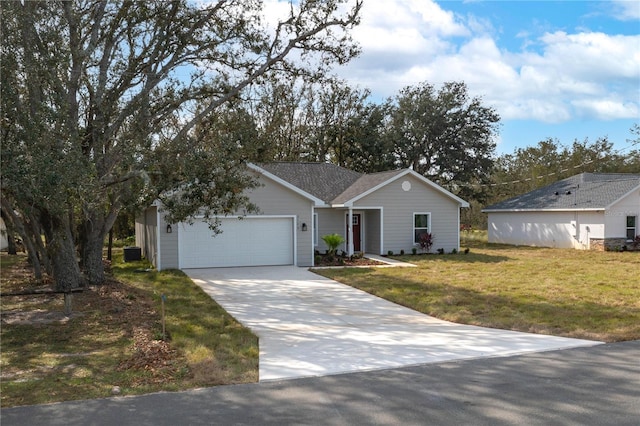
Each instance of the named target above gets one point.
<point>444,134</point>
<point>102,102</point>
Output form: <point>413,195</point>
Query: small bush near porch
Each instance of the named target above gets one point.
<point>581,294</point>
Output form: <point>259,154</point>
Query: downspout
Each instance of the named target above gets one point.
<point>381,230</point>
<point>459,208</point>
<point>158,238</point>
<point>313,233</point>
<point>350,232</point>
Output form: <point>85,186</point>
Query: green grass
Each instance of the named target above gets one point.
<point>218,349</point>
<point>74,359</point>
<point>99,347</point>
<point>582,294</point>
<point>9,261</point>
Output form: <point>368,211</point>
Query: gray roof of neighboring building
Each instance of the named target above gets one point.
<point>583,191</point>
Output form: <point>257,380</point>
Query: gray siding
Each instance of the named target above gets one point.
<point>272,199</point>
<point>399,206</point>
<point>372,231</point>
<point>390,205</point>
<point>168,244</point>
<point>331,221</point>
<point>146,234</point>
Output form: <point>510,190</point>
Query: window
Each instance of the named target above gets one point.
<point>315,229</point>
<point>632,229</point>
<point>421,225</point>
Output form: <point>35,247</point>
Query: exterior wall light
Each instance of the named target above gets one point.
<point>304,227</point>
<point>169,229</point>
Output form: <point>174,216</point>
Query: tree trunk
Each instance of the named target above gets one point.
<point>14,222</point>
<point>36,249</point>
<point>11,243</point>
<point>93,232</point>
<point>91,239</point>
<point>62,252</point>
<point>92,265</point>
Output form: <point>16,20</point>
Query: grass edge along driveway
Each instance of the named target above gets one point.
<point>561,292</point>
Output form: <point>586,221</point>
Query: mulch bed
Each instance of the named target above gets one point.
<point>325,260</point>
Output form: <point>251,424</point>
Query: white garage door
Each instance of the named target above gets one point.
<point>247,242</point>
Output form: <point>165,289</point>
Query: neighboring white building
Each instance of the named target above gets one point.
<point>586,211</point>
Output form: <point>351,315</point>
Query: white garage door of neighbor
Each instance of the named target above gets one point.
<point>243,242</point>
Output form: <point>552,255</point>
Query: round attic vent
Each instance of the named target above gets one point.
<point>406,185</point>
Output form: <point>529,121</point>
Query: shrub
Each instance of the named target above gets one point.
<point>390,253</point>
<point>332,241</point>
<point>414,250</point>
<point>454,251</point>
<point>426,241</point>
<point>440,251</point>
<point>465,228</point>
<point>401,252</point>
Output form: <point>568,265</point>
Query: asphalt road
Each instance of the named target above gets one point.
<point>597,385</point>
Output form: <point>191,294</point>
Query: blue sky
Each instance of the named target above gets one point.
<point>565,70</point>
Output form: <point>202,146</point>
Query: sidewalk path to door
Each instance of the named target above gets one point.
<point>309,325</point>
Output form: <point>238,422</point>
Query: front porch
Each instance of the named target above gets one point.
<point>362,228</point>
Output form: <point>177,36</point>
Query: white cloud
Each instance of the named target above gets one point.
<point>608,109</point>
<point>594,55</point>
<point>426,16</point>
<point>626,10</point>
<point>591,75</point>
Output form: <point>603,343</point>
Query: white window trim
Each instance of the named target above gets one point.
<point>413,225</point>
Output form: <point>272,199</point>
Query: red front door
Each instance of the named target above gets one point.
<point>356,231</point>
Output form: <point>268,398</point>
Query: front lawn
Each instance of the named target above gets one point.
<point>582,294</point>
<point>113,341</point>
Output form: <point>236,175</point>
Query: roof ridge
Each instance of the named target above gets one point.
<point>384,171</point>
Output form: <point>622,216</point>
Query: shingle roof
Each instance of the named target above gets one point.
<point>583,191</point>
<point>322,180</point>
<point>365,183</point>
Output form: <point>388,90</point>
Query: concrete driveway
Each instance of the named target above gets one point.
<point>309,325</point>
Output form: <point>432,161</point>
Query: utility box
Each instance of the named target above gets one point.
<point>131,254</point>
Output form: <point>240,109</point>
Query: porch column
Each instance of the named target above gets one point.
<point>350,233</point>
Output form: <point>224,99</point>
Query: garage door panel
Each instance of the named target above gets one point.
<point>243,242</point>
